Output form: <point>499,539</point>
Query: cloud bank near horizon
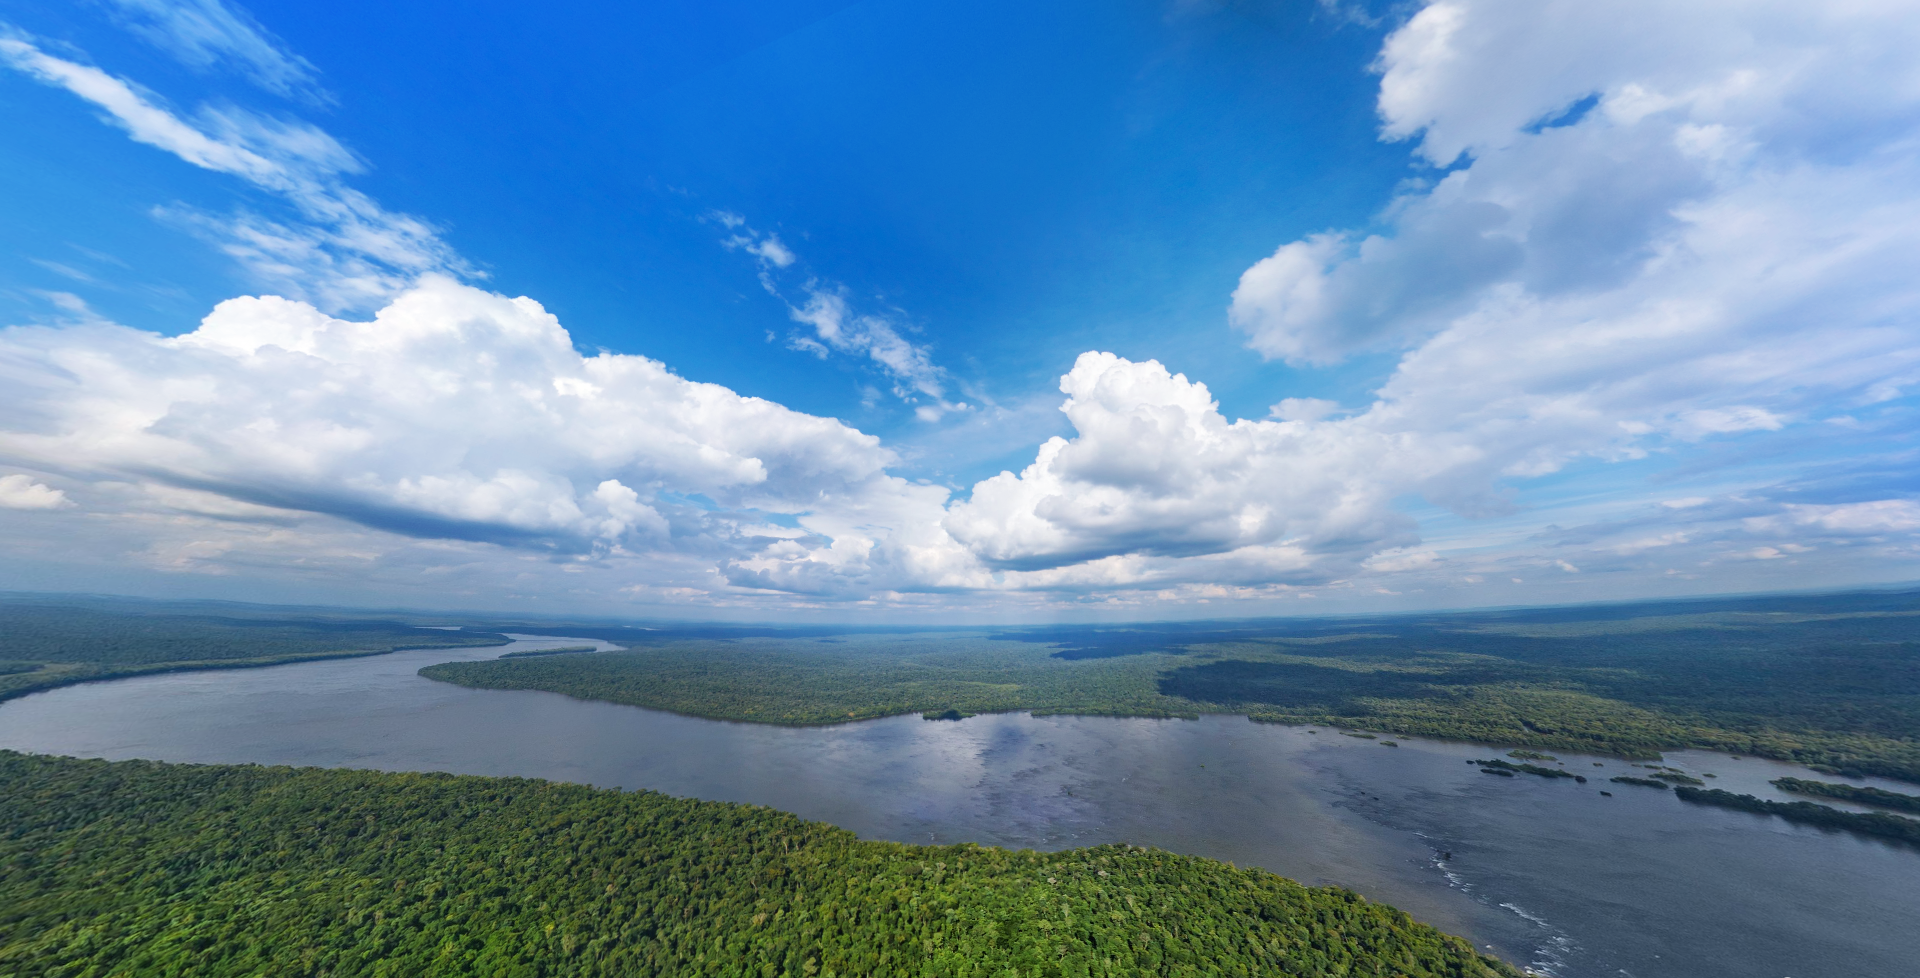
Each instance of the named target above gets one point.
<point>463,429</point>
<point>1632,245</point>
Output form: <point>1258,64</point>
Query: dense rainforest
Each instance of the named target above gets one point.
<point>45,643</point>
<point>136,867</point>
<point>1832,681</point>
<point>857,677</point>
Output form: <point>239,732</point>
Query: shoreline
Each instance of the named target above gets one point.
<point>1051,782</point>
<point>217,665</point>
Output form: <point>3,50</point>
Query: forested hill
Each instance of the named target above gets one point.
<point>47,642</point>
<point>143,868</point>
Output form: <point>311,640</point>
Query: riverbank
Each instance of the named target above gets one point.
<point>1833,691</point>
<point>352,872</point>
<point>46,645</point>
<point>55,675</point>
<point>1640,882</point>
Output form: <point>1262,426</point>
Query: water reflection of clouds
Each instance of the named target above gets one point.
<point>1622,878</point>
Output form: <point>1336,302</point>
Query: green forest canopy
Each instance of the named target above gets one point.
<point>135,867</point>
<point>1832,681</point>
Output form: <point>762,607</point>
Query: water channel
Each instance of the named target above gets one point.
<point>1545,872</point>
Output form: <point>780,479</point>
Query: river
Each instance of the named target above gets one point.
<point>1545,872</point>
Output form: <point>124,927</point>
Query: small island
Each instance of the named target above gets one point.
<point>1876,797</point>
<point>1641,782</point>
<point>1877,824</point>
<point>1509,769</point>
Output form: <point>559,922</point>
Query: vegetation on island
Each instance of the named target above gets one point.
<point>1876,797</point>
<point>1497,766</point>
<point>1877,824</point>
<point>1831,681</point>
<point>133,867</point>
<point>46,643</point>
<point>856,677</point>
<point>1676,778</point>
<point>1642,782</point>
<point>533,653</point>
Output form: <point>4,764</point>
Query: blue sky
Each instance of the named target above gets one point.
<point>1488,350</point>
<point>1015,185</point>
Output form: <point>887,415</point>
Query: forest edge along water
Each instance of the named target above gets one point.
<point>1544,872</point>
<point>1061,753</point>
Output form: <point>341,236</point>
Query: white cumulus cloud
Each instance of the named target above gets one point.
<point>1157,471</point>
<point>22,492</point>
<point>1662,224</point>
<point>1741,166</point>
<point>458,414</point>
<point>1647,227</point>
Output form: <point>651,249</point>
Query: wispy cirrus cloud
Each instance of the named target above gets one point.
<point>337,247</point>
<point>205,34</point>
<point>837,327</point>
<point>768,248</point>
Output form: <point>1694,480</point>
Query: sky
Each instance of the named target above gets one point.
<point>889,311</point>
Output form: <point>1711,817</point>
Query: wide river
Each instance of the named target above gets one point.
<point>1546,873</point>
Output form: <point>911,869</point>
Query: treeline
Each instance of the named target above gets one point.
<point>1833,683</point>
<point>1501,713</point>
<point>47,645</point>
<point>1847,792</point>
<point>1879,824</point>
<point>144,868</point>
<point>535,653</point>
<point>1828,681</point>
<point>859,677</point>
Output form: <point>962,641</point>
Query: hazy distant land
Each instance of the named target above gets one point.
<point>239,870</point>
<point>1831,681</point>
<point>48,641</point>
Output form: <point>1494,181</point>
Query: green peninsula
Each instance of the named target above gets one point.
<point>141,868</point>
<point>1832,681</point>
<point>792,680</point>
